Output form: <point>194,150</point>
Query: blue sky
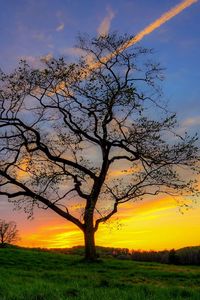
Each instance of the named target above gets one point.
<point>31,29</point>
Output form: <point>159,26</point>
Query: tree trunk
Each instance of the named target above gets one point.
<point>90,249</point>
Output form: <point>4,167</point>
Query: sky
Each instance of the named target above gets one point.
<point>33,30</point>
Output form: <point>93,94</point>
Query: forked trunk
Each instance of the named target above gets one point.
<point>90,249</point>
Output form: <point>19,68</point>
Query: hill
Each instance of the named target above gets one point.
<point>37,275</point>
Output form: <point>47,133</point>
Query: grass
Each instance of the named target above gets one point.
<point>37,275</point>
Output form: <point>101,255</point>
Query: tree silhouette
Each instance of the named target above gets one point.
<point>93,133</point>
<point>8,233</point>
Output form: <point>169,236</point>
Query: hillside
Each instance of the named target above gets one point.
<point>36,275</point>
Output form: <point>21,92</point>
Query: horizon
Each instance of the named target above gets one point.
<point>99,246</point>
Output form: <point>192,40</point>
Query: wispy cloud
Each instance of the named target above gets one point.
<point>72,51</point>
<point>104,27</point>
<point>32,60</point>
<point>77,52</point>
<point>193,121</point>
<point>47,57</point>
<point>60,27</point>
<point>53,236</point>
<point>35,61</point>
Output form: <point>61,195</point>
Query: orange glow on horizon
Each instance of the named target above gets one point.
<point>151,224</point>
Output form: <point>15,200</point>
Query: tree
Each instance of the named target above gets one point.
<point>93,133</point>
<point>8,233</point>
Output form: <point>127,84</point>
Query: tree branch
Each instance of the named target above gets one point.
<point>29,193</point>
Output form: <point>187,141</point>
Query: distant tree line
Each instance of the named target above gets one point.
<point>183,256</point>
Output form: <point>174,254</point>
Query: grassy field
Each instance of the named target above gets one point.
<point>36,275</point>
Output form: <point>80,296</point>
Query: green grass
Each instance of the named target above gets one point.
<point>36,275</point>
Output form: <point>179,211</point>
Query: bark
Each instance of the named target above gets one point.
<point>90,248</point>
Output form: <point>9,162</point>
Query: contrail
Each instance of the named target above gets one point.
<point>147,30</point>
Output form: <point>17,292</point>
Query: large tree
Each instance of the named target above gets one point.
<point>93,133</point>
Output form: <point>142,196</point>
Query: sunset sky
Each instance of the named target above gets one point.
<point>33,29</point>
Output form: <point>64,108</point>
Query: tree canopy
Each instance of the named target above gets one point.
<point>94,133</point>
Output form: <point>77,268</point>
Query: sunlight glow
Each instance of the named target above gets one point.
<point>134,227</point>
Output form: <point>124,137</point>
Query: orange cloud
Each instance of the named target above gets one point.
<point>104,27</point>
<point>124,171</point>
<point>46,58</point>
<point>146,207</point>
<point>51,235</point>
<point>21,170</point>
